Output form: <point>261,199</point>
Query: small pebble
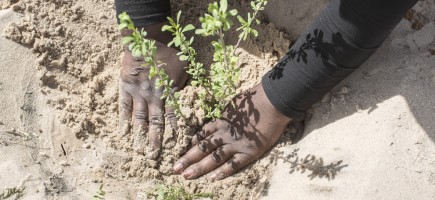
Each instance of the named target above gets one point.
<point>86,146</point>
<point>43,154</point>
<point>344,90</point>
<point>64,163</point>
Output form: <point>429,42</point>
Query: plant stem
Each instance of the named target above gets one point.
<point>222,41</point>
<point>254,16</point>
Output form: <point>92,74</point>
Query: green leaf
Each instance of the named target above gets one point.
<point>177,41</point>
<point>189,27</point>
<point>253,5</point>
<point>254,32</point>
<point>177,95</point>
<point>233,12</point>
<point>124,17</point>
<point>170,43</point>
<point>241,20</point>
<point>217,113</point>
<point>199,31</point>
<point>215,13</point>
<point>167,28</point>
<point>136,52</point>
<point>127,40</point>
<point>122,26</point>
<point>144,48</point>
<point>158,83</point>
<point>218,23</point>
<point>178,16</point>
<point>131,46</point>
<point>184,57</point>
<point>223,5</point>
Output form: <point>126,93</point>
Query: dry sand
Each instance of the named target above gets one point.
<point>372,137</point>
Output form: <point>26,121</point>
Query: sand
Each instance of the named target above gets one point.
<point>372,137</point>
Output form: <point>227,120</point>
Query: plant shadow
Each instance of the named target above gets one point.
<point>393,70</point>
<point>314,166</point>
<point>385,75</point>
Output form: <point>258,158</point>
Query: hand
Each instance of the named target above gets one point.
<point>140,101</point>
<point>243,134</point>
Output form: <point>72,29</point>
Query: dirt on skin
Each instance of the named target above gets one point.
<point>78,50</point>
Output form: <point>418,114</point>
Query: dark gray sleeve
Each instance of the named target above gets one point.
<point>144,12</point>
<point>341,39</point>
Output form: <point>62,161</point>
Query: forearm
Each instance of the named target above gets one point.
<point>342,38</point>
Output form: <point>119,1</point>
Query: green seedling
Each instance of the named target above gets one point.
<point>163,192</point>
<point>8,193</point>
<point>100,194</point>
<point>219,85</point>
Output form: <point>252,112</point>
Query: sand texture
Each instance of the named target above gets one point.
<point>372,137</point>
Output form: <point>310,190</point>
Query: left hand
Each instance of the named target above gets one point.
<point>140,100</point>
<point>244,133</point>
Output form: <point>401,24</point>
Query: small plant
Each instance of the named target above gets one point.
<point>100,195</point>
<point>11,192</point>
<point>219,86</point>
<point>163,192</point>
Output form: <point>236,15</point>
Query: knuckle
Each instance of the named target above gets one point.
<point>155,143</point>
<point>200,135</point>
<point>233,165</point>
<point>126,105</point>
<point>140,115</point>
<point>128,77</point>
<point>238,163</point>
<point>194,141</point>
<point>203,146</point>
<point>250,147</point>
<point>170,115</point>
<point>157,120</point>
<point>145,85</point>
<point>185,161</point>
<point>196,169</point>
<point>217,158</point>
<point>223,174</point>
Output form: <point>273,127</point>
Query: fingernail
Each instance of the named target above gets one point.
<point>213,177</point>
<point>188,174</point>
<point>178,167</point>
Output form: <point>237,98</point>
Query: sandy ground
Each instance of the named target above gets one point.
<point>372,137</point>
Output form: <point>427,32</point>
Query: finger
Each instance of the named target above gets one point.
<point>172,118</point>
<point>206,130</point>
<point>233,165</point>
<point>156,128</point>
<point>198,152</point>
<point>140,124</point>
<point>170,114</point>
<point>125,111</point>
<point>209,163</point>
